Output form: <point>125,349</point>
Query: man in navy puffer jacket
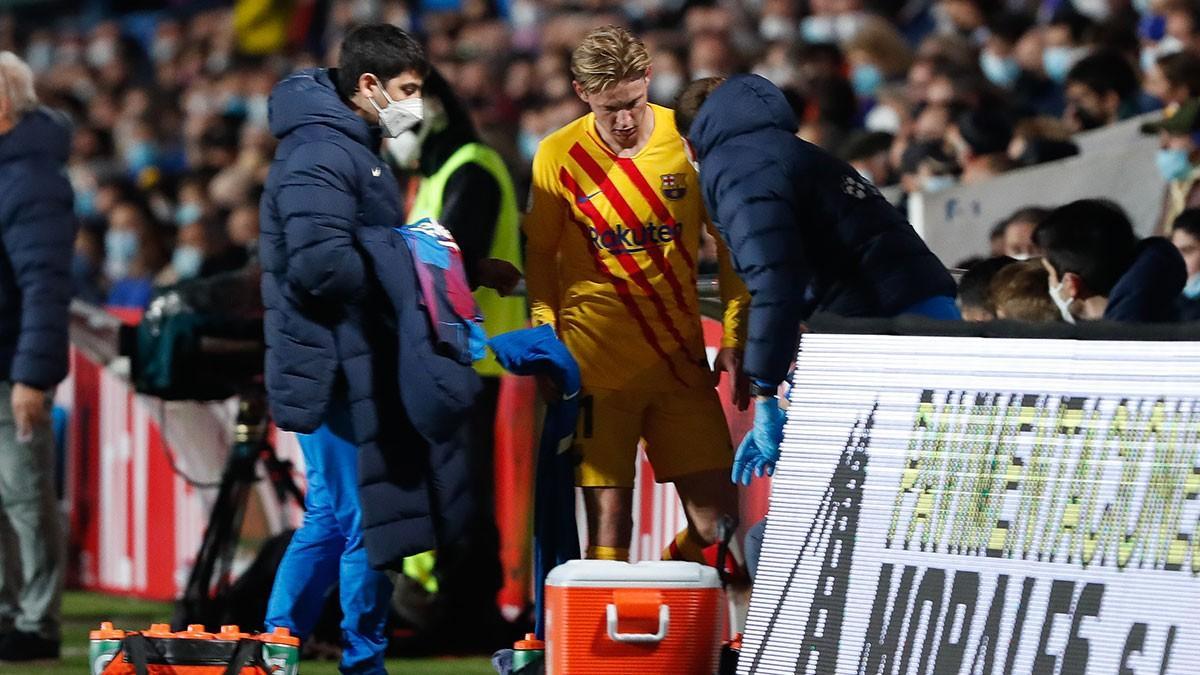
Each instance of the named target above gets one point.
<point>807,233</point>
<point>326,184</point>
<point>37,225</point>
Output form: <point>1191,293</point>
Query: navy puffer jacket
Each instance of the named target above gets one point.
<point>1150,289</point>
<point>37,224</point>
<point>344,328</point>
<point>806,231</point>
<point>326,180</point>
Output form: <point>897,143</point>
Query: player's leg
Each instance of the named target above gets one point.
<point>688,443</point>
<point>707,496</point>
<point>610,426</point>
<point>610,522</point>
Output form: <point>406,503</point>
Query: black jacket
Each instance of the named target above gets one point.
<point>37,225</point>
<point>1149,290</point>
<point>407,406</point>
<point>806,231</point>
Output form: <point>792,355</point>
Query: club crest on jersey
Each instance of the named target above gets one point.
<point>674,185</point>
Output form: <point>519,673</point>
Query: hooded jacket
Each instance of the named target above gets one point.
<point>37,228</point>
<point>344,328</point>
<point>326,180</point>
<point>806,231</point>
<point>1149,290</point>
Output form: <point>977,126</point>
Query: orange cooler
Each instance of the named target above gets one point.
<point>650,617</point>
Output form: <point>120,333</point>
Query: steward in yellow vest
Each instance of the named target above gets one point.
<point>464,185</point>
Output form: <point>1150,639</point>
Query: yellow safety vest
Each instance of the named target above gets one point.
<point>500,315</point>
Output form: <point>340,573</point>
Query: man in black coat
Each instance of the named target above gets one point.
<point>326,188</point>
<point>1100,270</point>
<point>37,227</point>
<point>807,233</point>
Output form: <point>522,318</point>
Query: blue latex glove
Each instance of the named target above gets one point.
<point>759,451</point>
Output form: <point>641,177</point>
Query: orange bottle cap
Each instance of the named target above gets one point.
<point>159,630</point>
<point>106,632</point>
<point>231,633</point>
<point>530,642</point>
<point>280,636</point>
<point>195,631</point>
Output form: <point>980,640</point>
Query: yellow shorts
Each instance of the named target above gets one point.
<point>685,433</point>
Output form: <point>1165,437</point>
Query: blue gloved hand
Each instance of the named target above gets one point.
<point>759,451</point>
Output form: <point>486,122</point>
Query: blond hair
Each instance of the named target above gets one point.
<point>608,56</point>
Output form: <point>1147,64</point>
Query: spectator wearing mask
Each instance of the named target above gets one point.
<point>998,59</point>
<point>1178,159</point>
<point>1182,24</point>
<point>37,229</point>
<point>980,139</point>
<point>1018,293</point>
<point>1101,89</point>
<point>877,55</point>
<point>869,153</point>
<point>201,250</point>
<point>1099,270</point>
<point>927,167</point>
<point>974,298</point>
<point>1174,79</point>
<point>1016,233</point>
<point>467,188</point>
<point>1185,234</point>
<point>134,254</point>
<point>1063,40</point>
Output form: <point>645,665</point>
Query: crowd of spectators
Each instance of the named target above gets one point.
<point>171,106</point>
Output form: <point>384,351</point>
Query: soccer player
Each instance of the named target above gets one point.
<point>613,233</point>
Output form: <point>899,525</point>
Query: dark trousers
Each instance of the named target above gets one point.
<point>469,570</point>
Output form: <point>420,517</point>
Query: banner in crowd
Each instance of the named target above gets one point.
<point>1114,137</point>
<point>956,222</point>
<point>984,505</point>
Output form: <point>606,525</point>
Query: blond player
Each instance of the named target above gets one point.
<point>613,235</point>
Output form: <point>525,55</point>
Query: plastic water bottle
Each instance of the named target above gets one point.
<point>103,647</point>
<point>528,655</point>
<point>281,651</point>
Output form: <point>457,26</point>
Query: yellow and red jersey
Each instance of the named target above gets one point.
<point>611,260</point>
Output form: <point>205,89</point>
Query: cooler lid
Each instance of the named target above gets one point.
<point>656,574</point>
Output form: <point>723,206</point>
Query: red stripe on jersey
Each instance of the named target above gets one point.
<point>620,285</point>
<point>632,269</point>
<point>660,209</point>
<point>601,178</point>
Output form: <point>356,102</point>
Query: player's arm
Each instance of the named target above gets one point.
<point>759,224</point>
<point>543,227</point>
<point>734,296</point>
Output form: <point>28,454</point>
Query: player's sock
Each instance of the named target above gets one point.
<point>686,548</point>
<point>618,553</point>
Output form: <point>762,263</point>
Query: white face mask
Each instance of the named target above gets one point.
<point>665,86</point>
<point>1063,305</point>
<point>883,118</point>
<point>774,27</point>
<point>404,150</point>
<point>398,117</point>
